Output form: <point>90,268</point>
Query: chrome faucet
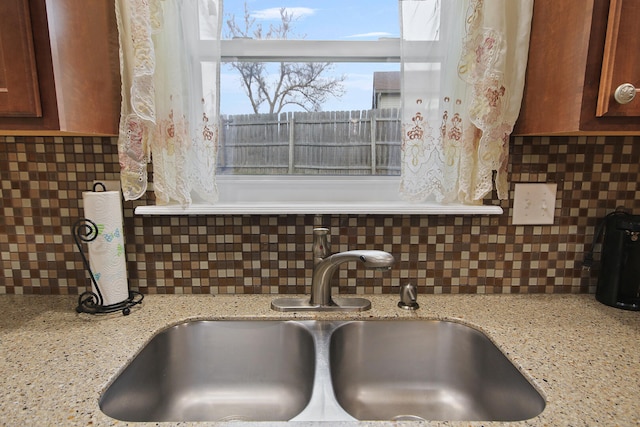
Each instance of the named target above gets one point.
<point>324,267</point>
<point>323,271</point>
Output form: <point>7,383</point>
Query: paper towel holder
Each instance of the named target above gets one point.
<point>85,230</point>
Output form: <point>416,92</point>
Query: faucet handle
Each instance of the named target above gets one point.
<point>408,297</point>
<point>320,247</point>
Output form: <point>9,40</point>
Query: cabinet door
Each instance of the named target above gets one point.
<point>621,61</point>
<point>74,79</point>
<point>19,94</point>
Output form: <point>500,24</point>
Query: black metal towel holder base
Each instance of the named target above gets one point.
<point>85,230</point>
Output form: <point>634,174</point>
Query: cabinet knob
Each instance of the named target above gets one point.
<point>625,93</point>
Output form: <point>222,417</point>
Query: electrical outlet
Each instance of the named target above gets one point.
<point>534,204</point>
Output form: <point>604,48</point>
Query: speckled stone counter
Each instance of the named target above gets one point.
<point>583,356</point>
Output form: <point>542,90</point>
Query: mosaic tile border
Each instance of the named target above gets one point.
<point>42,180</point>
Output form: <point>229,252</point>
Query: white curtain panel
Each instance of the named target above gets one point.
<point>165,117</point>
<point>463,67</point>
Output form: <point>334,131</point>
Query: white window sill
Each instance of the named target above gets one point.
<point>272,195</point>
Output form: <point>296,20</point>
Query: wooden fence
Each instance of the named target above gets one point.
<point>363,142</point>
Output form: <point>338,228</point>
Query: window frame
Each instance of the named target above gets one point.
<point>382,50</point>
<point>309,194</point>
<point>335,193</point>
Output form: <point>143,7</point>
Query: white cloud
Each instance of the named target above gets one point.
<point>274,13</point>
<point>372,34</point>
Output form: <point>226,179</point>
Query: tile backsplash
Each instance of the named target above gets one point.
<point>42,180</point>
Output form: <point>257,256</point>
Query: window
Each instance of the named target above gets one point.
<point>322,103</point>
<point>340,119</point>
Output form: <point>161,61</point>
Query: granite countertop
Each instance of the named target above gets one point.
<point>584,357</point>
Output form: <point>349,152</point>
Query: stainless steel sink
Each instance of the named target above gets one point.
<point>217,370</point>
<point>432,370</point>
<point>320,371</point>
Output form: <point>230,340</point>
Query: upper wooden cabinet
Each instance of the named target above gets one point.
<point>19,94</point>
<point>580,52</point>
<point>59,67</point>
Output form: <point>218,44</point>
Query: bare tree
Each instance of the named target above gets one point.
<point>304,84</point>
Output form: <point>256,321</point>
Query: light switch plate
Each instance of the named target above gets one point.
<point>534,204</point>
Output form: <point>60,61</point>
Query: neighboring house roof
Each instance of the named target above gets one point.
<point>385,83</point>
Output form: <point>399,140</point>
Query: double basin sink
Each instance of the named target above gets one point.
<point>318,370</point>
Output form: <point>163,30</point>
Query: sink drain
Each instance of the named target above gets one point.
<point>407,418</point>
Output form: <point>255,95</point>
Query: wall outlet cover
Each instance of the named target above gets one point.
<point>534,204</point>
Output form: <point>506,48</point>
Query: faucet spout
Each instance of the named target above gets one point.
<point>324,265</point>
<point>324,270</point>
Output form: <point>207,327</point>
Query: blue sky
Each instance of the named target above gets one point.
<point>327,19</point>
<point>321,20</point>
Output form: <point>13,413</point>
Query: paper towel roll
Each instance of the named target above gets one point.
<point>106,253</point>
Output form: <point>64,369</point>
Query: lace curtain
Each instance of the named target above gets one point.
<point>164,114</point>
<point>463,66</point>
